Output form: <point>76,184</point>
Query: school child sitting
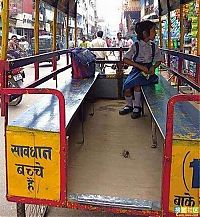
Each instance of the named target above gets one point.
<point>145,57</point>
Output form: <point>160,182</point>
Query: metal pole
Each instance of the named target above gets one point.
<point>160,31</point>
<point>54,28</point>
<point>3,78</point>
<point>67,29</point>
<point>75,32</point>
<point>169,32</point>
<point>160,25</point>
<point>54,38</point>
<point>198,34</point>
<point>67,33</point>
<point>5,27</point>
<point>36,37</point>
<point>197,76</point>
<point>180,60</point>
<point>169,27</point>
<point>181,28</point>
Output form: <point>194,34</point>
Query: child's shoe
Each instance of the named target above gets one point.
<point>127,109</point>
<point>136,114</point>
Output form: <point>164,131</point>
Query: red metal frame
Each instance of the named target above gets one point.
<point>133,212</point>
<point>197,77</point>
<point>63,146</point>
<point>36,66</point>
<point>3,82</point>
<point>168,149</point>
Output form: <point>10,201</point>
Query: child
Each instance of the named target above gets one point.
<point>145,57</point>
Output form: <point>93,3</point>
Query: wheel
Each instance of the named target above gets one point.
<point>17,100</point>
<point>31,210</point>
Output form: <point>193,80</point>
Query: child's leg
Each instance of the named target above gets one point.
<point>128,108</point>
<point>137,95</point>
<point>128,97</point>
<point>137,103</point>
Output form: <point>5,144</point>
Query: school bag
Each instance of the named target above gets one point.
<point>83,63</point>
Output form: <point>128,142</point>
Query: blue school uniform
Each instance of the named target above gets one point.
<point>143,53</point>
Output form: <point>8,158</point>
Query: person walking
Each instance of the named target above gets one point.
<point>100,55</point>
<point>84,43</point>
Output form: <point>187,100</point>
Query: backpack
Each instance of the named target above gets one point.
<point>83,63</point>
<point>137,50</point>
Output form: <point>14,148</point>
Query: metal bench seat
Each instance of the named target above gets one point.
<point>44,114</point>
<point>186,119</point>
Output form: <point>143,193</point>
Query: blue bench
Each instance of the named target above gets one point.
<point>186,118</point>
<point>44,115</point>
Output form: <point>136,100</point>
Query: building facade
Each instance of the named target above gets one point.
<point>132,14</point>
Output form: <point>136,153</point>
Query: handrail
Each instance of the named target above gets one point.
<point>42,57</point>
<point>182,55</point>
<point>183,77</point>
<point>47,77</point>
<point>37,58</point>
<point>108,48</point>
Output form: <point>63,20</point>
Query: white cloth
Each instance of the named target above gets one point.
<point>145,52</point>
<point>99,42</point>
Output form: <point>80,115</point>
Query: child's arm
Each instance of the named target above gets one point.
<point>153,67</point>
<point>136,65</point>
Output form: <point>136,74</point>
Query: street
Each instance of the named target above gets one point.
<point>8,209</point>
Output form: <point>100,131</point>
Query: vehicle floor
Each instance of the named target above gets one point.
<point>99,167</point>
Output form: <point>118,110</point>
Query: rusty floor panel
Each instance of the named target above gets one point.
<point>99,166</point>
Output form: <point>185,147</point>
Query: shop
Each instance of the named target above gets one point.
<point>190,23</point>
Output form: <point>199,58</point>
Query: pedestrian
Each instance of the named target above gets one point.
<point>14,48</point>
<point>108,42</point>
<point>129,42</point>
<point>84,43</point>
<point>114,42</point>
<point>145,57</point>
<point>120,41</point>
<point>100,55</point>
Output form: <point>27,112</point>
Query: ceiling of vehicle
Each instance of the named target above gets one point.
<point>63,5</point>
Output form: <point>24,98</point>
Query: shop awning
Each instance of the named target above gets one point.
<point>173,4</point>
<point>62,5</point>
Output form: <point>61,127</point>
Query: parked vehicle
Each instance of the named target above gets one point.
<point>45,45</point>
<point>15,80</point>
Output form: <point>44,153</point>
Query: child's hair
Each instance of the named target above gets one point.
<point>143,26</point>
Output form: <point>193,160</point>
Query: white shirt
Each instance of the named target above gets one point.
<point>99,42</point>
<point>121,43</point>
<point>24,45</point>
<point>145,52</point>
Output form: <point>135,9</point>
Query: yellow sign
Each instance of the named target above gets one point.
<point>33,164</point>
<point>185,178</point>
